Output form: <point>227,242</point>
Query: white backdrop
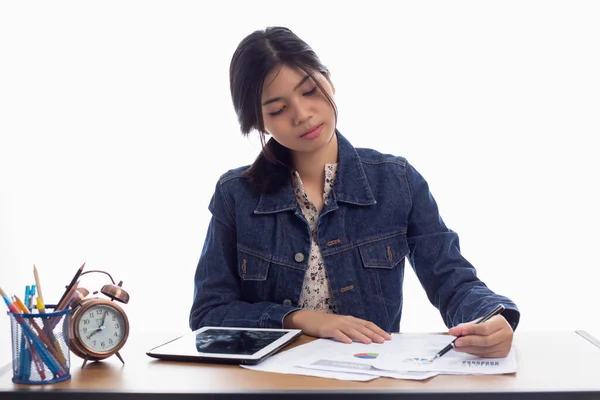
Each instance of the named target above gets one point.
<point>116,121</point>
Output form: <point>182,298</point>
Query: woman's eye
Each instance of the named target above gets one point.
<point>276,112</point>
<point>311,91</point>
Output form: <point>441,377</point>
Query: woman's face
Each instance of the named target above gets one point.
<point>295,111</point>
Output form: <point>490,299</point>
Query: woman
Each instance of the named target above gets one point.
<point>314,234</point>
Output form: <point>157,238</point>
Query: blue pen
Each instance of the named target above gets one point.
<point>31,294</point>
<point>26,297</point>
<point>24,355</point>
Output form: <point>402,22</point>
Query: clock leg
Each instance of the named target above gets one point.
<point>120,358</point>
<point>85,360</point>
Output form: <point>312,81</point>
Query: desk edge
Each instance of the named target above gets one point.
<point>589,338</point>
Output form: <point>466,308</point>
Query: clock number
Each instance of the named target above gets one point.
<point>110,341</point>
<point>116,334</point>
<point>91,315</point>
<point>114,317</point>
<point>98,312</point>
<point>117,326</point>
<point>94,342</point>
<point>86,321</point>
<point>84,330</point>
<point>102,344</point>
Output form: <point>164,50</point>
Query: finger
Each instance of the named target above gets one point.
<point>376,333</point>
<point>357,335</point>
<point>494,324</point>
<point>373,336</point>
<point>340,336</point>
<point>474,340</point>
<point>459,329</point>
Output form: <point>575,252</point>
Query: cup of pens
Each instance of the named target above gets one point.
<point>40,346</point>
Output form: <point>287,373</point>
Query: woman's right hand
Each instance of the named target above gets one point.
<point>344,328</point>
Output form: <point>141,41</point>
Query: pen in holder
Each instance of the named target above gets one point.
<point>40,347</point>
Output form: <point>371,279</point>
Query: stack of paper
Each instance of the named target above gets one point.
<point>406,356</point>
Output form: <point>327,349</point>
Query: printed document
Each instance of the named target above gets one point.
<point>406,354</point>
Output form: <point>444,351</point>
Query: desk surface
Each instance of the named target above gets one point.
<point>550,365</point>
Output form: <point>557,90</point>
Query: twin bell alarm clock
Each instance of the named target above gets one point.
<point>98,327</point>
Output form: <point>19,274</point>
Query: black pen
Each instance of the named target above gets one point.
<point>489,315</point>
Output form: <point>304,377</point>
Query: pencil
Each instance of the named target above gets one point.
<point>39,287</point>
<point>79,271</point>
<point>3,294</point>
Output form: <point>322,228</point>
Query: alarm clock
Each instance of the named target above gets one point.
<point>98,327</point>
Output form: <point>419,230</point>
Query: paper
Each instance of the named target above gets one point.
<point>286,361</point>
<point>406,356</point>
<point>330,355</point>
<point>415,353</point>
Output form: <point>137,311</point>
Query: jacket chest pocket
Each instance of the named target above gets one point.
<point>384,253</point>
<point>254,273</point>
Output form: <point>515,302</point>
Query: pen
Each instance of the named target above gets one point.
<point>489,315</point>
<point>68,289</point>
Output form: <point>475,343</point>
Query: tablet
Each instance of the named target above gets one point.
<point>226,345</point>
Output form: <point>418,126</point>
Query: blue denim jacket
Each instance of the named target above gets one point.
<point>379,213</point>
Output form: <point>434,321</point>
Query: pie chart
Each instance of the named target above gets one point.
<point>366,355</point>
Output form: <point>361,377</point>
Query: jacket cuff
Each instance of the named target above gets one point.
<point>512,316</point>
<point>274,316</point>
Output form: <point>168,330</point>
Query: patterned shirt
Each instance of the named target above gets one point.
<point>316,293</point>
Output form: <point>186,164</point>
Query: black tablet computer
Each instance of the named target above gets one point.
<point>226,345</point>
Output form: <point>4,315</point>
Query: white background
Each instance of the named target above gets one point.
<point>116,121</point>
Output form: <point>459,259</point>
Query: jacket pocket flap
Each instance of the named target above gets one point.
<point>252,268</point>
<point>384,253</point>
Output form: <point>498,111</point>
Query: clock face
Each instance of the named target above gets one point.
<point>101,328</point>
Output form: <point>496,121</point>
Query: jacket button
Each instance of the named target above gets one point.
<point>287,302</point>
<point>299,257</point>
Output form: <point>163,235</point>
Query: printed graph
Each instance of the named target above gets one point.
<point>366,355</point>
<point>418,360</point>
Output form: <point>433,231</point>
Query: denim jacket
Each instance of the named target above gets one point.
<point>379,213</point>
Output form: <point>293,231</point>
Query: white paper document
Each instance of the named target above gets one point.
<point>286,361</point>
<point>406,356</point>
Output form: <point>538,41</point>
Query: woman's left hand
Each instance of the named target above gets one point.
<point>491,339</point>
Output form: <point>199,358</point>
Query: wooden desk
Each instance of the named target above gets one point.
<point>551,365</point>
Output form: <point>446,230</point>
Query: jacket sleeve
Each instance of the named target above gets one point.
<point>217,294</point>
<point>450,281</point>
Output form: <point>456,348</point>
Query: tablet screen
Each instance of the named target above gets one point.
<point>226,341</point>
<point>226,344</point>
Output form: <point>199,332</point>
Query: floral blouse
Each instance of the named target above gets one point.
<point>316,293</point>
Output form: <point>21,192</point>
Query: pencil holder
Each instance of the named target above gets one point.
<point>40,347</point>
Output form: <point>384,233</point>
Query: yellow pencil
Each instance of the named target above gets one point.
<point>39,288</point>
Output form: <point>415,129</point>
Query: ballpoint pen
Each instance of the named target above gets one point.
<point>71,284</point>
<point>489,315</point>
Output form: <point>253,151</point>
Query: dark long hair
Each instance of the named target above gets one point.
<point>255,57</point>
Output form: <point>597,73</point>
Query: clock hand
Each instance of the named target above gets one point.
<point>103,318</point>
<point>94,332</point>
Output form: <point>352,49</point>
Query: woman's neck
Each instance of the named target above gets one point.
<point>311,166</point>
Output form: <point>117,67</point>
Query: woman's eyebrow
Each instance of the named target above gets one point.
<point>274,99</point>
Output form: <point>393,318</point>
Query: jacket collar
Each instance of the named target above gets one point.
<point>350,186</point>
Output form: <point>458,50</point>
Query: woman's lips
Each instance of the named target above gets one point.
<point>313,133</point>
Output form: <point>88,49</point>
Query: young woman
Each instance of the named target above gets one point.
<point>314,234</point>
